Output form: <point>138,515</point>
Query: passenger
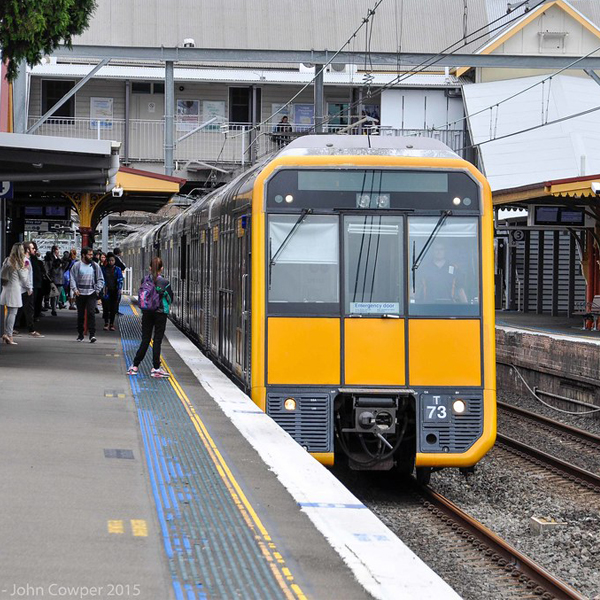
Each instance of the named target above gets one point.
<point>118,261</point>
<point>56,273</point>
<point>15,278</point>
<point>113,284</point>
<point>47,267</point>
<point>154,319</point>
<point>102,261</point>
<point>68,262</point>
<point>96,257</point>
<point>87,283</point>
<point>25,315</point>
<point>282,127</point>
<point>441,282</point>
<point>38,282</point>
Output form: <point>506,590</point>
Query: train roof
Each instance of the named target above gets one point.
<point>369,144</point>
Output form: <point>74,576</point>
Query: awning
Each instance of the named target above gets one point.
<point>55,164</point>
<point>574,187</point>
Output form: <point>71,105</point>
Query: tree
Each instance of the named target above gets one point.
<point>31,28</point>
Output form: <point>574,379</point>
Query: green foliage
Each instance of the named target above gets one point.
<point>31,28</point>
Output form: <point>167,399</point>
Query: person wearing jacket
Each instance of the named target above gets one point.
<point>87,283</point>
<point>154,320</point>
<point>113,284</point>
<point>15,278</point>
<point>56,273</point>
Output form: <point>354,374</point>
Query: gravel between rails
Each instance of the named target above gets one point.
<point>503,494</point>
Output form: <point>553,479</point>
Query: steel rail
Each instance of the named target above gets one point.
<point>514,562</point>
<point>580,434</point>
<point>575,474</point>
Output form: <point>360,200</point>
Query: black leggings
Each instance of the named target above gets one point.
<point>151,320</point>
<point>110,306</point>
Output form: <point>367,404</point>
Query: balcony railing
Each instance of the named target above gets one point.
<point>228,143</point>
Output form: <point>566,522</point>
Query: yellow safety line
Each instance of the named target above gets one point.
<point>269,550</point>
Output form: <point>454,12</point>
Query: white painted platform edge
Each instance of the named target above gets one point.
<point>381,562</point>
<point>555,336</point>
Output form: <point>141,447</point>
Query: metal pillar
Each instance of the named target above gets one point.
<point>126,132</point>
<point>105,234</point>
<point>254,133</point>
<point>169,116</point>
<point>20,100</point>
<point>318,89</point>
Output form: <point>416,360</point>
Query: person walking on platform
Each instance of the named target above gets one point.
<point>113,284</point>
<point>155,298</point>
<point>56,274</point>
<point>68,262</point>
<point>15,278</point>
<point>38,281</point>
<point>87,283</point>
<point>27,308</point>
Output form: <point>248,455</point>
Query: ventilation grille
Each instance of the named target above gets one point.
<point>310,424</point>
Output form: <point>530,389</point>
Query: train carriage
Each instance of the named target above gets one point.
<point>347,285</point>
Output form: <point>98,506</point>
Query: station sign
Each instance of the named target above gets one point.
<point>44,226</point>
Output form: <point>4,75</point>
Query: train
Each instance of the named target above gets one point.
<point>345,283</point>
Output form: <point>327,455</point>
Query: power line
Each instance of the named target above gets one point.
<point>430,62</point>
<point>365,21</point>
<point>508,135</point>
<point>496,104</point>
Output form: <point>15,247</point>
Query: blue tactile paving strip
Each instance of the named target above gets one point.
<point>212,552</point>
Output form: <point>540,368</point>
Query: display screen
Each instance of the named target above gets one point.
<point>55,211</point>
<point>558,215</point>
<point>34,211</point>
<point>373,189</point>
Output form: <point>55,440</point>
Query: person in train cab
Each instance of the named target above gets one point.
<point>113,284</point>
<point>442,281</point>
<point>87,283</point>
<point>154,298</point>
<point>56,274</point>
<point>27,296</point>
<point>283,127</point>
<point>15,278</point>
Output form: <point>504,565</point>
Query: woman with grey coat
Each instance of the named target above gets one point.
<point>15,281</point>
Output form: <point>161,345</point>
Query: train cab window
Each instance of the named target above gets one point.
<point>303,264</point>
<point>373,264</point>
<point>443,266</point>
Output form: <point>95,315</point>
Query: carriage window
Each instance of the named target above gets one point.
<point>373,269</point>
<point>443,266</point>
<point>303,264</point>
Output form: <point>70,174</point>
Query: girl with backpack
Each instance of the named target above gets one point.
<point>154,298</point>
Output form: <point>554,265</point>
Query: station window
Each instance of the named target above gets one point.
<point>303,264</point>
<point>52,91</point>
<point>147,87</point>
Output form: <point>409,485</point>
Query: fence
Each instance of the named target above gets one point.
<point>216,143</point>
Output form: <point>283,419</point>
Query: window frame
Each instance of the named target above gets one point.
<point>72,102</point>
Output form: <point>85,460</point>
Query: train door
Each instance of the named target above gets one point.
<point>214,290</point>
<point>243,329</point>
<point>225,299</point>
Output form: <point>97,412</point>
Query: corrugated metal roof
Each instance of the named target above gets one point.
<point>407,25</point>
<point>263,77</point>
<point>548,153</point>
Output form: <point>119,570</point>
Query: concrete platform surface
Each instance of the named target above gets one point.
<point>119,487</point>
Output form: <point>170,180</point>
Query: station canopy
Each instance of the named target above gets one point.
<point>567,150</point>
<point>55,164</point>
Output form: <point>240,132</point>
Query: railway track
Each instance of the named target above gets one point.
<point>517,569</point>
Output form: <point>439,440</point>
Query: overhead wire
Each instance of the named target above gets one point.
<point>429,62</point>
<point>533,85</point>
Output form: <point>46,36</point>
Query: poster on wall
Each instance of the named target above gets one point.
<point>213,108</point>
<point>188,115</point>
<point>101,113</point>
<point>304,116</point>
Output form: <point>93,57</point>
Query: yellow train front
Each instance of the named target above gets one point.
<point>372,327</point>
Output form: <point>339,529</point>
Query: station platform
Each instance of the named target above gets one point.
<point>179,488</point>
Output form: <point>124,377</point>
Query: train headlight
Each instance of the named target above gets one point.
<point>289,404</point>
<point>459,406</point>
<point>289,198</point>
<point>456,201</point>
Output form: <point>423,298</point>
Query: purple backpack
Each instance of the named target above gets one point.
<point>148,298</point>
